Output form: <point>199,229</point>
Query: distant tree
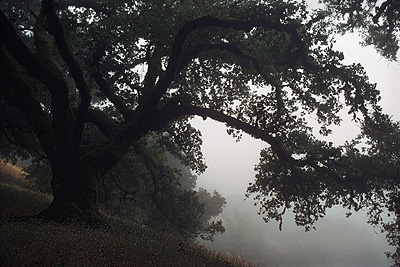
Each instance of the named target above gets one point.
<point>151,186</point>
<point>131,68</point>
<point>214,203</point>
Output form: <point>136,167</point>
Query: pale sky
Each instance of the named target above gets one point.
<point>231,165</point>
<point>226,158</point>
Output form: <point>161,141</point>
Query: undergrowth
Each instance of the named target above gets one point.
<point>122,243</point>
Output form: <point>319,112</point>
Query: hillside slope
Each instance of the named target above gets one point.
<point>28,242</point>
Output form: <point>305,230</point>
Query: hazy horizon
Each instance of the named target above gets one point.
<point>231,169</point>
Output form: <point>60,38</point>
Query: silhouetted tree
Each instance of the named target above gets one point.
<point>131,68</point>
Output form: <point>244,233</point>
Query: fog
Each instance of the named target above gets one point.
<point>337,241</point>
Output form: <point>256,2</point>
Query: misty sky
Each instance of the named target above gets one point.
<point>231,164</point>
<point>227,158</point>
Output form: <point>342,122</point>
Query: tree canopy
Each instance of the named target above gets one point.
<point>377,21</point>
<point>127,69</point>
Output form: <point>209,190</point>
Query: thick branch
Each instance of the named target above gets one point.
<point>104,123</point>
<point>42,44</point>
<point>178,111</point>
<point>151,166</point>
<point>180,38</point>
<point>194,52</point>
<point>73,65</point>
<point>54,82</point>
<point>16,89</point>
<point>24,56</point>
<point>189,55</point>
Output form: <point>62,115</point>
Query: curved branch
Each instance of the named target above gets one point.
<point>189,55</point>
<point>208,21</point>
<point>178,111</point>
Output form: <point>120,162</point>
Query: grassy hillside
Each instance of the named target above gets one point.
<point>123,243</point>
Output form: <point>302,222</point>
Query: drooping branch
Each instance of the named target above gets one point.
<point>156,173</point>
<point>314,161</point>
<point>73,65</point>
<point>150,166</point>
<point>178,111</point>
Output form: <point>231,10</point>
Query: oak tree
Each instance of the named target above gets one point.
<point>130,68</point>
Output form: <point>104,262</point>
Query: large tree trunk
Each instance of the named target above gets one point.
<point>75,191</point>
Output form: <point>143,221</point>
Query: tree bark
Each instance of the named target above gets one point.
<point>75,191</point>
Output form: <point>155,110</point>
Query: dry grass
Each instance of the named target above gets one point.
<point>122,243</point>
<point>37,243</point>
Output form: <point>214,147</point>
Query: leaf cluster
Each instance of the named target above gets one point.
<point>377,21</point>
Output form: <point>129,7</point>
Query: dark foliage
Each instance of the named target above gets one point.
<point>130,69</point>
